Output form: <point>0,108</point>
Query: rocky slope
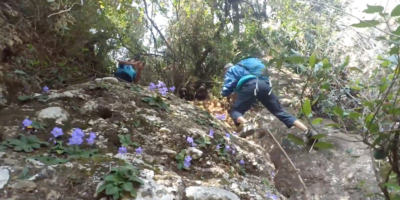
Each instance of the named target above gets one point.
<point>112,114</point>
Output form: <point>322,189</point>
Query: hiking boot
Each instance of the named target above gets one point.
<point>310,133</point>
<point>246,129</point>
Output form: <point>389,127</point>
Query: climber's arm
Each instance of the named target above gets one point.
<point>230,82</point>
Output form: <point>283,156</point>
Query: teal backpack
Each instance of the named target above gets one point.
<point>257,69</point>
<point>126,73</point>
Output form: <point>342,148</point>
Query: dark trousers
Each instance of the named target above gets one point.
<point>245,99</point>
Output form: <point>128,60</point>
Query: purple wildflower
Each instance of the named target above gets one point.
<point>163,91</point>
<point>227,147</point>
<point>211,134</point>
<point>122,150</point>
<point>91,138</point>
<point>228,135</point>
<point>57,132</point>
<point>271,196</point>
<point>187,160</point>
<point>218,147</point>
<point>76,137</point>
<point>27,122</point>
<point>172,89</point>
<point>160,84</point>
<point>221,117</point>
<point>46,89</point>
<point>74,140</point>
<point>152,86</point>
<point>139,150</point>
<point>233,151</point>
<point>190,141</point>
<point>241,162</point>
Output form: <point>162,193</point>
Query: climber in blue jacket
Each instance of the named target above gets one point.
<point>129,71</point>
<point>248,80</point>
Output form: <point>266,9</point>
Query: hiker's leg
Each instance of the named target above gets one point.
<point>244,100</point>
<point>298,124</point>
<point>242,104</point>
<point>272,104</point>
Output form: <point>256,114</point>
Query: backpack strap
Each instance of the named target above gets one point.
<point>256,89</point>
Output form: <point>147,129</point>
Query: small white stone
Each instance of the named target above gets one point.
<point>4,176</point>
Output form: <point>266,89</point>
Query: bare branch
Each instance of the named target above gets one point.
<point>67,10</point>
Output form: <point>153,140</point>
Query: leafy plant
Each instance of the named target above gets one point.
<point>25,143</point>
<point>49,160</point>
<point>156,101</point>
<point>126,141</point>
<point>136,88</point>
<point>38,126</point>
<point>221,150</point>
<point>120,181</point>
<point>180,159</point>
<point>74,151</point>
<point>200,121</point>
<point>203,141</point>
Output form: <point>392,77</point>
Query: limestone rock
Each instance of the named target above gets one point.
<point>206,193</point>
<point>194,152</point>
<point>57,113</point>
<point>107,79</point>
<point>4,176</point>
<point>25,185</point>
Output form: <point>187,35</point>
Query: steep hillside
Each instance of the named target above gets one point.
<point>222,166</point>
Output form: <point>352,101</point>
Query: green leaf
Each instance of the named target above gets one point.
<point>393,186</point>
<point>111,189</point>
<point>319,136</point>
<point>396,32</point>
<point>354,115</point>
<point>368,119</point>
<point>373,9</point>
<point>306,108</point>
<point>355,69</point>
<point>116,195</point>
<point>137,180</point>
<point>296,139</point>
<point>128,186</point>
<point>317,121</point>
<point>346,62</point>
<point>323,145</point>
<point>396,11</point>
<point>18,148</point>
<point>383,87</point>
<point>366,23</point>
<point>133,193</point>
<point>312,60</point>
<point>337,110</point>
<point>295,59</point>
<point>326,86</point>
<point>101,188</point>
<point>333,125</point>
<point>25,98</point>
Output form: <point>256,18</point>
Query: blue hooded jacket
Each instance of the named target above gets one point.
<point>237,75</point>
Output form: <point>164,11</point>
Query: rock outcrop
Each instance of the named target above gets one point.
<point>111,109</point>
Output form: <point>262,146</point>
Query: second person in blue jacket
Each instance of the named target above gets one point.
<point>247,80</point>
